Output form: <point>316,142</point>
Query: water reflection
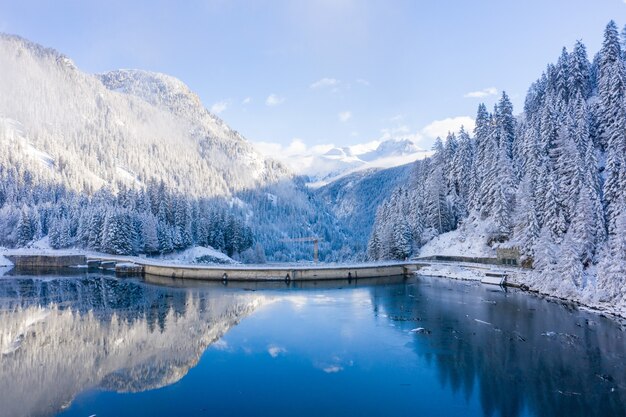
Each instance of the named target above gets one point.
<point>59,337</point>
<point>522,354</point>
<point>423,346</point>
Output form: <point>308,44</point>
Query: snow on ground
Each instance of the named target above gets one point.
<point>198,254</point>
<point>452,271</point>
<point>471,271</point>
<point>127,176</point>
<point>43,243</point>
<point>469,239</point>
<point>4,261</point>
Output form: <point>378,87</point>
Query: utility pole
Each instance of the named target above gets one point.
<point>313,239</point>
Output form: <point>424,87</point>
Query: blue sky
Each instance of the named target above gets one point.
<point>325,71</point>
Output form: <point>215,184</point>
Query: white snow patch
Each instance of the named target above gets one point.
<point>43,157</point>
<point>469,239</point>
<point>381,163</point>
<point>14,130</point>
<point>43,243</point>
<point>196,255</point>
<point>5,262</point>
<point>127,176</point>
<point>453,271</point>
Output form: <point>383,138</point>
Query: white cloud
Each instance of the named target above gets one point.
<point>332,369</point>
<point>246,100</point>
<point>399,132</point>
<point>220,345</point>
<point>274,100</point>
<point>344,116</point>
<point>325,82</point>
<point>485,92</point>
<point>296,147</point>
<point>220,106</point>
<point>274,351</point>
<point>440,128</point>
<point>396,118</point>
<point>367,83</point>
<point>362,148</point>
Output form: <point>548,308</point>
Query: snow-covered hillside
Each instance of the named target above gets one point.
<point>354,198</point>
<point>550,182</point>
<point>124,126</point>
<point>80,153</point>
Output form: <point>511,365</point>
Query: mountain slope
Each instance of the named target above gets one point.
<point>123,126</point>
<point>65,135</point>
<point>354,198</point>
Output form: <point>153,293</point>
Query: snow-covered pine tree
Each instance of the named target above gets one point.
<point>24,229</point>
<point>150,235</point>
<point>117,236</point>
<point>580,73</point>
<point>505,124</point>
<point>526,227</point>
<point>612,122</point>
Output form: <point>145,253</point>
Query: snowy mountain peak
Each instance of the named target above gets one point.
<point>168,93</point>
<point>21,45</point>
<point>156,88</point>
<point>392,147</point>
<point>337,162</point>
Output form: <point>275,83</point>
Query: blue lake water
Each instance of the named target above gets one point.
<point>94,345</point>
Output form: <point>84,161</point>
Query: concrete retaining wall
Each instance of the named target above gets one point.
<point>46,261</point>
<point>278,273</point>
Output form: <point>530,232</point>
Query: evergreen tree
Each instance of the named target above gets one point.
<point>24,229</point>
<point>580,73</point>
<point>117,237</point>
<point>612,122</point>
<point>150,234</point>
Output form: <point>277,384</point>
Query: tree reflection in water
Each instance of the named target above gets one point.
<point>520,351</point>
<point>516,354</point>
<point>59,337</point>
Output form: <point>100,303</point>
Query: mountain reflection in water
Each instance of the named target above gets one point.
<point>419,346</point>
<point>59,337</point>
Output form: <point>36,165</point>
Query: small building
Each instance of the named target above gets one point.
<point>508,256</point>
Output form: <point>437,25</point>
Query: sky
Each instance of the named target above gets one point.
<point>295,76</point>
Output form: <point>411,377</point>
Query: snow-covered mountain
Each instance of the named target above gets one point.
<point>124,126</point>
<point>332,164</point>
<point>354,198</point>
<point>67,132</point>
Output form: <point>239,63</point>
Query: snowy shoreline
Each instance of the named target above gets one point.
<point>515,279</point>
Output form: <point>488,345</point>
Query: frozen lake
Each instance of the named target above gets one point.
<point>94,345</point>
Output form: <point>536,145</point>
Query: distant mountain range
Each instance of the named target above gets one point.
<point>338,162</point>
